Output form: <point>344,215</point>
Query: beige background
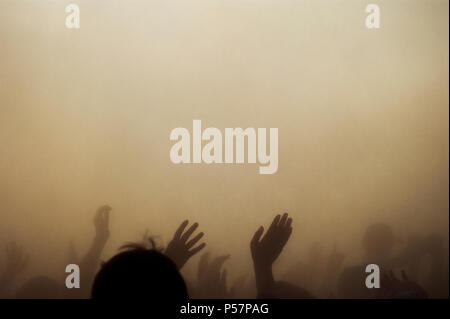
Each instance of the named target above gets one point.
<point>85,117</point>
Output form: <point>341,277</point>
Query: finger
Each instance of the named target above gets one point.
<point>196,249</point>
<point>256,237</point>
<point>101,209</point>
<point>283,220</point>
<point>289,222</point>
<point>286,235</point>
<point>273,226</point>
<point>194,240</point>
<point>219,260</point>
<point>104,208</point>
<point>217,263</point>
<point>189,232</point>
<point>275,221</point>
<point>180,229</point>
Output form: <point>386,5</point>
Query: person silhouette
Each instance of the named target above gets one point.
<point>139,273</point>
<point>142,273</point>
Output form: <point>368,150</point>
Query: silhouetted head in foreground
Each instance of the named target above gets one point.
<point>139,274</point>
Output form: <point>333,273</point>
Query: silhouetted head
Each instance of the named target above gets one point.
<point>378,240</point>
<point>139,274</point>
<point>40,287</point>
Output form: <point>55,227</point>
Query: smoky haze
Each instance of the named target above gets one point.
<point>85,118</point>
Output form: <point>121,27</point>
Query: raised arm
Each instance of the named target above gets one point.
<point>90,262</point>
<point>180,248</point>
<point>265,250</point>
<point>212,279</point>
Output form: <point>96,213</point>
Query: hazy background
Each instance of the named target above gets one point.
<point>85,118</point>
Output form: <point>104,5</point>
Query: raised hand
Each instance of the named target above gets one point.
<point>180,249</point>
<point>16,259</point>
<point>90,260</point>
<point>101,222</point>
<point>212,280</point>
<point>266,250</point>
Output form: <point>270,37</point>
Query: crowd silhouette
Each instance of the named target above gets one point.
<point>142,270</point>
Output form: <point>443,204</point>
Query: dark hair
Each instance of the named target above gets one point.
<point>139,273</point>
